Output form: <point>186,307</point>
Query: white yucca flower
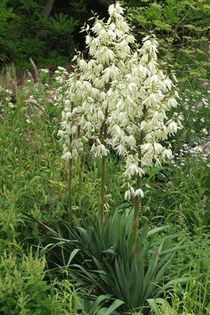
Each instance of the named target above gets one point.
<point>91,92</point>
<point>148,97</point>
<point>132,193</point>
<point>99,150</point>
<point>119,98</point>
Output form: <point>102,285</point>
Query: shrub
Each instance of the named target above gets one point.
<point>32,29</point>
<point>22,286</point>
<point>182,30</point>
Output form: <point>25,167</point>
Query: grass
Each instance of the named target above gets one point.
<point>34,181</point>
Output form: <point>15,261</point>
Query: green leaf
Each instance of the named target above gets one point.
<point>115,305</point>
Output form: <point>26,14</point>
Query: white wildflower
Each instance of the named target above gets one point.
<point>118,99</point>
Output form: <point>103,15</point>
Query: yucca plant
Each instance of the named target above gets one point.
<point>125,106</point>
<point>97,305</point>
<point>110,258</point>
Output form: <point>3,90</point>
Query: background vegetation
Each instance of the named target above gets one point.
<point>48,31</point>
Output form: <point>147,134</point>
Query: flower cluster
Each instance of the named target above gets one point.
<point>120,99</point>
<point>147,97</point>
<point>5,98</point>
<point>201,151</point>
<point>91,91</point>
<point>196,112</point>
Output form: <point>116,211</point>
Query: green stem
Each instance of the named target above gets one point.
<point>103,136</point>
<point>137,200</point>
<point>70,185</point>
<point>137,209</point>
<point>102,188</point>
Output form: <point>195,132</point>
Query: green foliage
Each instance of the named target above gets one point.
<point>181,195</point>
<point>194,295</point>
<point>22,287</point>
<point>26,31</point>
<point>181,26</point>
<point>182,30</point>
<point>24,290</point>
<point>129,265</point>
<point>33,180</point>
<point>96,306</point>
<point>195,110</point>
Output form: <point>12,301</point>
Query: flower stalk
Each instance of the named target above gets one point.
<point>70,185</point>
<point>119,99</point>
<point>102,186</point>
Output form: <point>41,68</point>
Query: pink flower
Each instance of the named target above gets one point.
<point>206,84</point>
<point>199,104</point>
<point>50,101</point>
<point>51,92</point>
